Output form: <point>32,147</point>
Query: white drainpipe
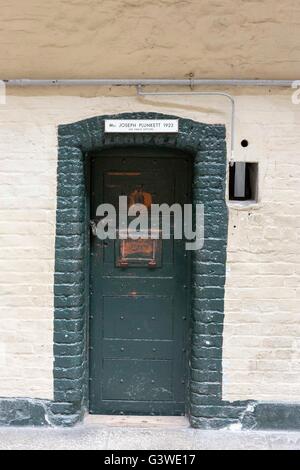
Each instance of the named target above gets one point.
<point>23,82</point>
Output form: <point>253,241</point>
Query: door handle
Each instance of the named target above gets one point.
<point>93,226</point>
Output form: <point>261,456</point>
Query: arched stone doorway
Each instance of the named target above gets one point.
<point>207,145</point>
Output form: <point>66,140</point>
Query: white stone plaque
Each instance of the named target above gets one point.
<point>141,125</point>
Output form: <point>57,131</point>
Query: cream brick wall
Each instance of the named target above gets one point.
<point>261,339</point>
<point>262,301</point>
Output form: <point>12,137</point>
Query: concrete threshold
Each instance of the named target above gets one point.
<point>117,421</point>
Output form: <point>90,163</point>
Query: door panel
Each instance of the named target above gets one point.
<point>132,348</point>
<point>145,380</point>
<point>136,317</point>
<point>139,310</point>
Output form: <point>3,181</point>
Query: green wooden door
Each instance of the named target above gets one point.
<point>139,317</point>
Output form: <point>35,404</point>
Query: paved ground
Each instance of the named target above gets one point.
<point>142,433</point>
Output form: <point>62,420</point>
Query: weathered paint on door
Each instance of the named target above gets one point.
<point>139,291</point>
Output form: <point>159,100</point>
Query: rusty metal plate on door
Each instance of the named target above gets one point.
<point>140,252</point>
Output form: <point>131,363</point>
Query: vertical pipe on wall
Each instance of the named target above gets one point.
<point>140,92</point>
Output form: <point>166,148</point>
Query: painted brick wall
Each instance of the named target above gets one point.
<point>261,336</point>
<point>262,305</point>
<point>27,228</point>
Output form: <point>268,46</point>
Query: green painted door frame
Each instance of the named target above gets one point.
<point>206,143</point>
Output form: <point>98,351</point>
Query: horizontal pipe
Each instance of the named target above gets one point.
<point>24,82</point>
